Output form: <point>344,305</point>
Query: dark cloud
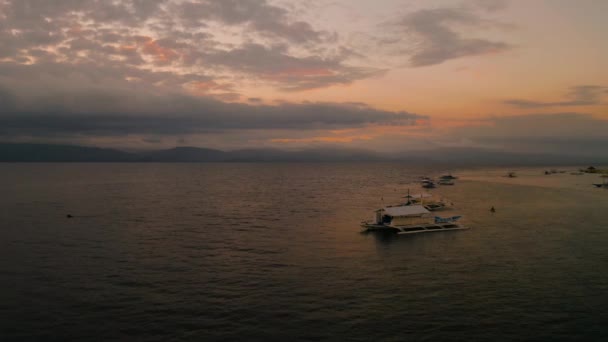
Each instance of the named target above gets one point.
<point>67,110</point>
<point>274,64</point>
<point>437,38</point>
<point>559,133</point>
<point>583,95</point>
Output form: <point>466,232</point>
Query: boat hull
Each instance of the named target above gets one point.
<point>412,229</point>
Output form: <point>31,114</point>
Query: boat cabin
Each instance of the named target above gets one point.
<point>403,215</point>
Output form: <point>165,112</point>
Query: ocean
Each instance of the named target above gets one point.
<point>274,252</point>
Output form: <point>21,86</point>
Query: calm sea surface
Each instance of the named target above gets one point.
<point>204,252</point>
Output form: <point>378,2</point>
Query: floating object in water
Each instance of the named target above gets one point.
<point>446,182</point>
<point>69,216</point>
<point>492,209</point>
<point>409,220</point>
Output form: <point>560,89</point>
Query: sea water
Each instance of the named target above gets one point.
<point>273,251</point>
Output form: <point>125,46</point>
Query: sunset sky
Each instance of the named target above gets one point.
<point>386,75</point>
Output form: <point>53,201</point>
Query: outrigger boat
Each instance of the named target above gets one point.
<point>410,219</point>
<point>428,184</point>
<point>603,184</point>
<point>446,182</point>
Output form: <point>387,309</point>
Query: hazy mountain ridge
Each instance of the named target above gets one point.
<point>17,152</point>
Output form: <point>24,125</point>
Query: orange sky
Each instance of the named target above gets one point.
<point>284,73</point>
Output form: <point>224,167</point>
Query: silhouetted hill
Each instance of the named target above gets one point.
<point>11,152</point>
<point>480,156</point>
<point>184,154</point>
<point>308,155</point>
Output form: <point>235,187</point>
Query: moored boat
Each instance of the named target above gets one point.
<point>410,219</point>
<point>603,184</point>
<point>428,184</point>
<point>446,182</point>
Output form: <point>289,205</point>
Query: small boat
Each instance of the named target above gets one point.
<point>511,175</point>
<point>590,169</point>
<point>603,184</point>
<point>410,219</point>
<point>428,184</point>
<point>446,182</point>
<point>448,177</point>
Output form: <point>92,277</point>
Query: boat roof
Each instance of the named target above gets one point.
<point>406,210</point>
<point>423,195</point>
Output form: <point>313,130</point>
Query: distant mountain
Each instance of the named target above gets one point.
<point>308,155</point>
<point>13,152</point>
<point>480,156</point>
<point>184,155</point>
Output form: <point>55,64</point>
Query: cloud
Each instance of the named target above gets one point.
<point>491,5</point>
<point>439,41</point>
<point>60,106</point>
<point>582,95</point>
<point>558,133</point>
<point>258,15</point>
<point>224,39</point>
<point>274,64</point>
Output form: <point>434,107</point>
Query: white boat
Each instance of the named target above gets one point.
<point>446,182</point>
<point>428,184</point>
<point>410,219</point>
<point>603,184</point>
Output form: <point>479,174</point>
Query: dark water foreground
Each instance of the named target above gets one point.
<point>207,252</point>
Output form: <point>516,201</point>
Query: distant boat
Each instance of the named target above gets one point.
<point>511,174</point>
<point>410,219</point>
<point>590,169</point>
<point>446,182</point>
<point>448,177</point>
<point>428,184</point>
<point>604,183</point>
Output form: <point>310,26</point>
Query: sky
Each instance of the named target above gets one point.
<point>384,75</point>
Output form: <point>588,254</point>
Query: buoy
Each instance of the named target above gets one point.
<point>492,209</point>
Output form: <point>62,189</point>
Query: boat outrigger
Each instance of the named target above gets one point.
<point>410,219</point>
